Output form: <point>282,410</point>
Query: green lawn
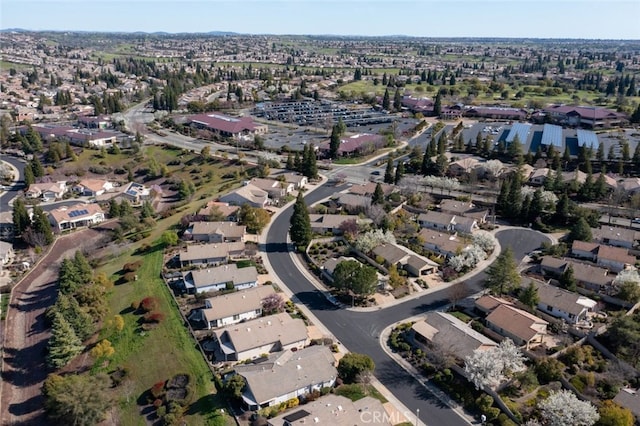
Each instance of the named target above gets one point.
<point>357,391</point>
<point>158,354</point>
<point>6,66</point>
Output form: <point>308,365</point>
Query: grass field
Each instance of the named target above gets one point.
<point>6,66</point>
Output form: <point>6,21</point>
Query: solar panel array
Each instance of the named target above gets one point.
<point>588,139</point>
<point>552,135</point>
<point>75,213</point>
<point>521,130</point>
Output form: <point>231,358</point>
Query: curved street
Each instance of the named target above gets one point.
<point>359,331</point>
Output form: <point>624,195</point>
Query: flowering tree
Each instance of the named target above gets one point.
<point>493,167</point>
<point>468,258</point>
<point>564,408</point>
<point>368,241</point>
<point>485,241</point>
<point>548,198</point>
<point>492,366</point>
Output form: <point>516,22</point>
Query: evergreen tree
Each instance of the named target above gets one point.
<point>41,225</point>
<point>514,203</point>
<point>300,229</point>
<point>568,280</point>
<point>566,156</point>
<point>635,117</point>
<point>515,150</point>
<point>427,163</point>
<point>442,163</point>
<point>600,187</point>
<point>503,275</point>
<point>397,100</point>
<point>64,344</point>
<point>442,142</point>
<point>36,166</point>
<point>529,296</point>
<point>503,197</point>
<point>21,219</point>
<point>437,105</point>
<point>297,162</point>
<point>562,208</point>
<point>147,210</point>
<point>78,319</point>
<point>309,162</point>
<point>537,205</point>
<point>378,195</point>
<point>399,172</point>
<point>388,173</point>
<point>114,208</point>
<point>386,101</point>
<point>290,164</point>
<point>624,145</point>
<point>581,231</point>
<point>334,143</point>
<point>600,153</point>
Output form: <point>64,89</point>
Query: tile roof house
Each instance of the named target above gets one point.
<point>275,188</point>
<point>252,339</point>
<point>298,180</point>
<point>247,194</point>
<point>48,191</point>
<point>225,211</point>
<point>211,254</point>
<point>614,236</point>
<point>330,223</point>
<point>518,325</point>
<point>394,254</point>
<point>451,335</point>
<point>232,308</point>
<point>352,202</point>
<point>76,216</point>
<point>216,232</point>
<point>463,166</point>
<point>588,276</point>
<point>539,176</point>
<point>287,375</point>
<point>465,209</point>
<point>219,278</point>
<point>6,253</point>
<point>488,303</point>
<point>225,126</point>
<point>554,301</point>
<point>93,187</point>
<point>441,242</point>
<point>447,222</point>
<point>615,259</point>
<point>369,188</point>
<point>335,410</point>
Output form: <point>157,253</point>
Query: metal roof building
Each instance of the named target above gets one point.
<point>521,130</point>
<point>552,135</point>
<point>588,139</point>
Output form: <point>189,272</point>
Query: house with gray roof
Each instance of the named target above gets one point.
<point>215,232</point>
<point>212,254</point>
<point>232,308</point>
<point>252,339</point>
<point>615,236</point>
<point>442,243</point>
<point>247,194</point>
<point>587,276</point>
<point>335,410</point>
<point>615,259</point>
<point>559,303</point>
<point>287,375</point>
<point>330,223</point>
<point>219,278</point>
<point>447,222</point>
<point>518,325</point>
<point>394,254</point>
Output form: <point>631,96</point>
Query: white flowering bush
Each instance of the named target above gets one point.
<point>368,241</point>
<point>490,367</point>
<point>626,276</point>
<point>444,183</point>
<point>548,198</point>
<point>563,408</point>
<point>468,258</point>
<point>485,241</point>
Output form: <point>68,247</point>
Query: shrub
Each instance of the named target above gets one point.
<point>154,317</point>
<point>149,304</point>
<point>130,276</point>
<point>157,390</point>
<point>132,266</point>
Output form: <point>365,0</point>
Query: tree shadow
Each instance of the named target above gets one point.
<point>42,298</point>
<point>29,406</point>
<point>426,307</point>
<point>27,365</point>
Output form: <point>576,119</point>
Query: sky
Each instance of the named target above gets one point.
<point>590,19</point>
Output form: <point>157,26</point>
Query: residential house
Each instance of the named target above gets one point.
<point>335,410</point>
<point>93,187</point>
<point>450,335</point>
<point>48,191</point>
<point>228,127</point>
<point>447,222</point>
<point>330,223</point>
<point>441,243</point>
<point>6,254</point>
<point>369,188</point>
<point>212,254</point>
<point>221,211</point>
<point>487,303</point>
<point>353,203</point>
<point>298,180</point>
<point>614,236</point>
<point>615,259</point>
<point>554,301</point>
<point>588,276</point>
<point>287,375</point>
<point>463,166</point>
<point>539,176</point>
<point>247,194</point>
<point>252,339</point>
<point>75,216</point>
<point>629,398</point>
<point>220,278</point>
<point>216,232</point>
<point>276,189</point>
<point>136,193</point>
<point>518,325</point>
<point>462,208</point>
<point>354,145</point>
<point>232,308</point>
<point>394,254</point>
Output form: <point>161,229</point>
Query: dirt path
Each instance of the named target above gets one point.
<point>24,369</point>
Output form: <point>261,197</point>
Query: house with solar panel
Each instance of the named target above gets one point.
<point>136,193</point>
<point>76,216</point>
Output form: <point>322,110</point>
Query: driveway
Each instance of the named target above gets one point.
<point>27,332</point>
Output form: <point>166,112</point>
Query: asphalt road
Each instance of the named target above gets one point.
<point>359,331</point>
<point>12,191</point>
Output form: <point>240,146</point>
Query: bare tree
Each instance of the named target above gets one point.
<point>457,292</point>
